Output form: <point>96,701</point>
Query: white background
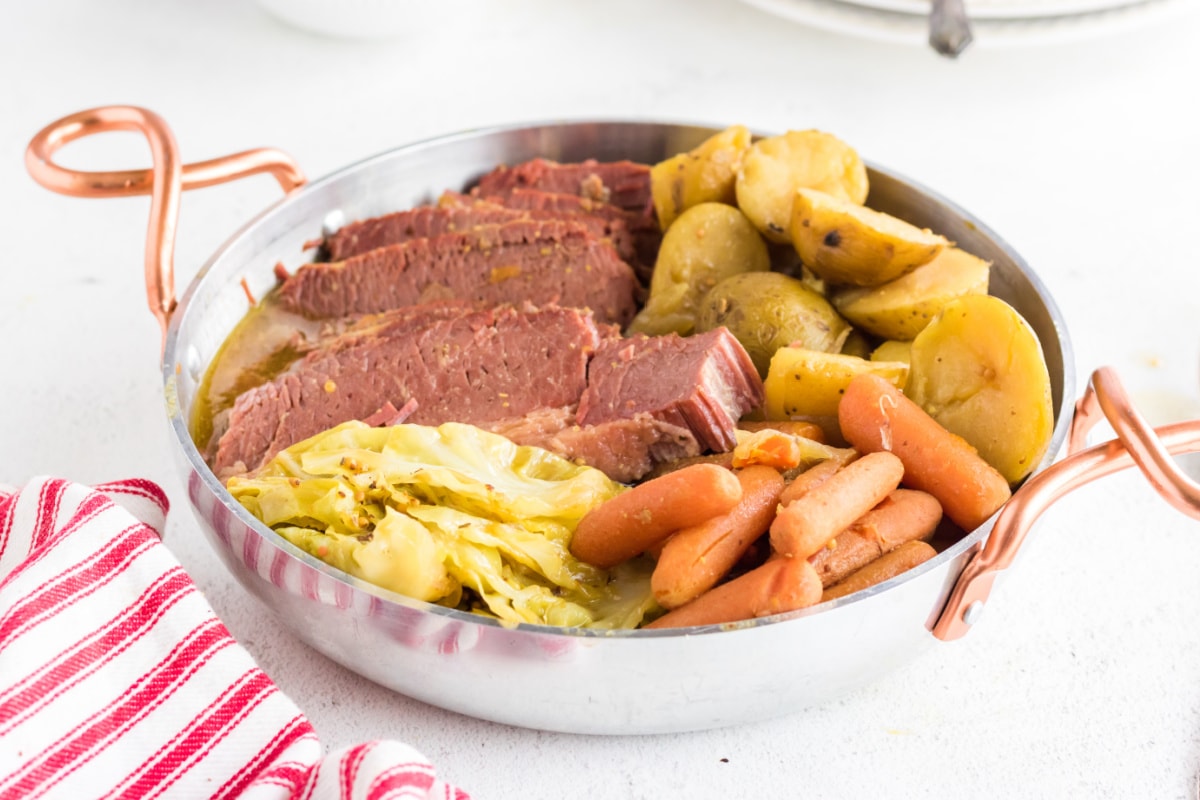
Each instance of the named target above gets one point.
<point>1083,677</point>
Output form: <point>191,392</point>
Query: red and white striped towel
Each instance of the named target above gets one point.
<point>118,680</point>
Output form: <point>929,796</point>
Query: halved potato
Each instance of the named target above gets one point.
<point>773,168</point>
<point>810,383</point>
<point>978,369</point>
<point>766,311</point>
<point>705,174</point>
<point>846,243</point>
<point>901,309</point>
<point>707,244</point>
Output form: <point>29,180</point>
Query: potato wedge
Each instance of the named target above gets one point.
<point>810,383</point>
<point>707,244</point>
<point>978,369</point>
<point>773,168</point>
<point>705,174</point>
<point>846,243</point>
<point>901,309</point>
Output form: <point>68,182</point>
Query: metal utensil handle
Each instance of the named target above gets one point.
<point>163,182</point>
<point>949,27</point>
<point>1136,444</point>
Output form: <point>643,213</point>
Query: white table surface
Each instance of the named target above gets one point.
<point>1083,677</point>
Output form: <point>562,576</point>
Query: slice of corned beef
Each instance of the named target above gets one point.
<point>704,383</point>
<point>623,449</point>
<point>524,260</point>
<point>622,183</point>
<point>356,238</point>
<point>614,229</point>
<point>642,227</point>
<point>462,214</point>
<point>455,363</point>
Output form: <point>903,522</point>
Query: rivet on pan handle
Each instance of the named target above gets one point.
<point>163,182</point>
<point>1136,443</point>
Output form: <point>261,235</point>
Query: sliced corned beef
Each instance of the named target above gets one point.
<point>642,228</point>
<point>614,229</point>
<point>704,383</point>
<point>361,236</point>
<point>622,183</point>
<point>623,449</point>
<point>551,377</point>
<point>524,260</point>
<point>462,214</point>
<point>457,364</point>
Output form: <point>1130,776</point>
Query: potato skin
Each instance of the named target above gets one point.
<point>707,244</point>
<point>768,310</point>
<point>807,383</point>
<point>847,243</point>
<point>705,174</point>
<point>901,309</point>
<point>774,168</point>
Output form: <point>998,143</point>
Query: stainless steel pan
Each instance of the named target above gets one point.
<point>576,681</point>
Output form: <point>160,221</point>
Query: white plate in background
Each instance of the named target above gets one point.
<point>1003,9</point>
<point>854,19</point>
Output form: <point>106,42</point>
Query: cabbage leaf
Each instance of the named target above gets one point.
<point>452,515</point>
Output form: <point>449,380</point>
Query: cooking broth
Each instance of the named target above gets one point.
<point>262,346</point>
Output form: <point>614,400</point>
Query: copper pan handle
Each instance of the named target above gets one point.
<point>164,182</point>
<point>1150,449</point>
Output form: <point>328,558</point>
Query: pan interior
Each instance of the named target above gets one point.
<point>217,299</point>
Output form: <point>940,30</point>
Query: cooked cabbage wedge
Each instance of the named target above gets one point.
<point>451,515</point>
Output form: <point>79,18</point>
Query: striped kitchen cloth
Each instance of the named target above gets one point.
<point>118,680</point>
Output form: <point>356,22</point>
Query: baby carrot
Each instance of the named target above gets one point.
<point>815,475</point>
<point>695,558</point>
<point>632,522</point>
<point>875,416</point>
<point>779,585</point>
<point>842,555</point>
<point>888,565</point>
<point>905,515</point>
<point>802,527</point>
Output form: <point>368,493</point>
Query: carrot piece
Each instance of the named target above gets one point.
<point>694,559</point>
<point>906,515</point>
<point>635,521</point>
<point>842,555</point>
<point>888,565</point>
<point>802,527</point>
<point>876,416</point>
<point>768,448</point>
<point>809,430</point>
<point>779,585</point>
<point>815,475</point>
